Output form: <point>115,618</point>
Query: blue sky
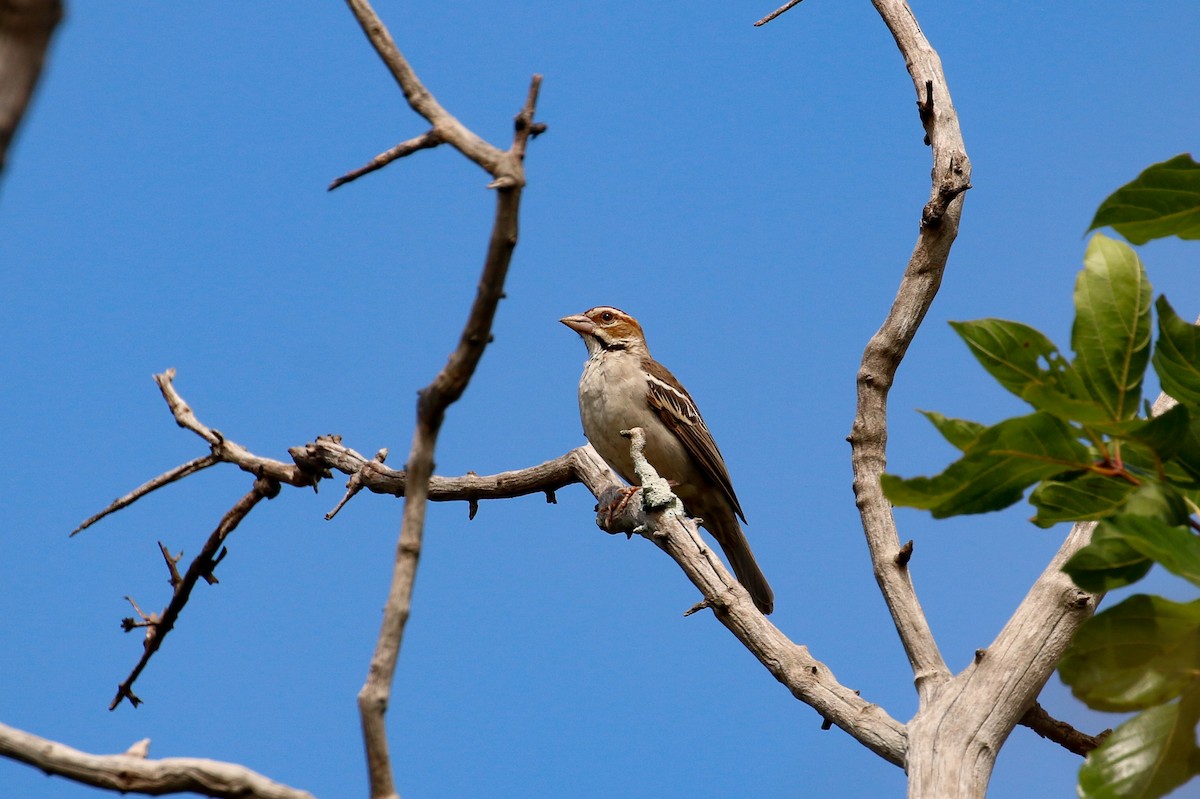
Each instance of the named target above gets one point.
<point>750,194</point>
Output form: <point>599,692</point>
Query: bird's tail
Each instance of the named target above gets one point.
<point>733,543</point>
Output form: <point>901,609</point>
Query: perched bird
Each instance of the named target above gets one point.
<point>623,387</point>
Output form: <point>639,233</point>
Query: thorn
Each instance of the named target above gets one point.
<point>473,506</point>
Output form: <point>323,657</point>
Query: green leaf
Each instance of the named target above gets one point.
<point>1175,547</point>
<point>1028,364</point>
<point>1111,334</point>
<point>1082,498</point>
<point>1177,355</point>
<point>1108,562</point>
<point>1162,201</point>
<point>1146,757</point>
<point>995,469</point>
<point>1158,501</point>
<point>1140,653</point>
<point>961,433</point>
<point>1165,434</point>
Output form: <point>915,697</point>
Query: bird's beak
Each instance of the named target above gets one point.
<point>579,323</point>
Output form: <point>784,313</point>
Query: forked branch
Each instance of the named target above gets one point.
<point>508,179</point>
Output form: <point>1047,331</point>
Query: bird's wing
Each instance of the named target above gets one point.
<point>677,409</point>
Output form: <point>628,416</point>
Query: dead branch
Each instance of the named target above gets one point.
<point>808,679</point>
<point>166,478</point>
<point>1060,732</point>
<point>508,179</point>
<point>788,6</point>
<point>313,462</point>
<point>224,449</point>
<point>918,287</point>
<point>131,773</point>
<point>428,139</point>
<point>201,567</point>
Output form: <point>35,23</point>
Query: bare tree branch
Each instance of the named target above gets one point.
<point>1060,732</point>
<point>429,138</point>
<point>224,449</point>
<point>783,9</point>
<point>508,178</point>
<point>809,680</point>
<point>25,30</point>
<point>919,285</point>
<point>445,126</point>
<point>201,567</point>
<point>129,773</point>
<point>166,478</point>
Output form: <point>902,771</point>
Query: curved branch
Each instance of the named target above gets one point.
<point>918,287</point>
<point>129,773</point>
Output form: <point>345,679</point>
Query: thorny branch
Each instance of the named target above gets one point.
<point>201,567</point>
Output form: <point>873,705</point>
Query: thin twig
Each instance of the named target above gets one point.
<point>1060,732</point>
<point>444,123</point>
<point>200,568</point>
<point>429,138</point>
<point>781,10</point>
<point>226,450</point>
<point>166,478</point>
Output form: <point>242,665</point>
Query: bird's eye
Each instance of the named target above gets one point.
<point>607,316</point>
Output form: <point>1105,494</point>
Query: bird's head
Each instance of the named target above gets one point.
<point>605,328</point>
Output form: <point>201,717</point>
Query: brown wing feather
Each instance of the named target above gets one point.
<point>678,411</point>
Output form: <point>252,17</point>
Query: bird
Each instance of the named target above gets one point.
<point>624,387</point>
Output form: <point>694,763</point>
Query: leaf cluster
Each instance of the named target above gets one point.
<point>1091,450</point>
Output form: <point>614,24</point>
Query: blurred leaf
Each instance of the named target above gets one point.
<point>1175,547</point>
<point>1188,456</point>
<point>1140,653</point>
<point>1086,497</point>
<point>961,433</point>
<point>1146,757</point>
<point>1108,562</point>
<point>995,469</point>
<point>1165,434</point>
<point>1111,333</point>
<point>1177,355</point>
<point>1157,501</point>
<point>1162,201</point>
